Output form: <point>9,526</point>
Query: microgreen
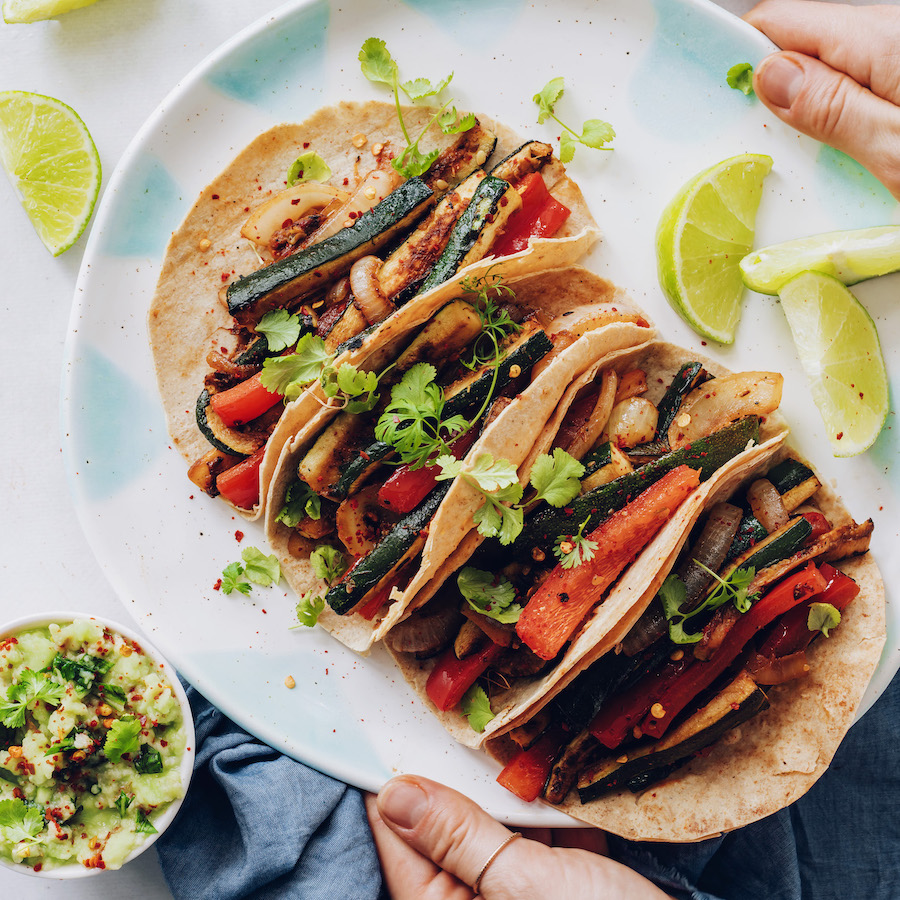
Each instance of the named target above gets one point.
<point>496,322</point>
<point>30,688</point>
<point>308,166</point>
<point>488,594</point>
<point>379,66</point>
<point>740,77</point>
<point>595,133</point>
<point>476,707</point>
<point>573,550</point>
<point>823,617</point>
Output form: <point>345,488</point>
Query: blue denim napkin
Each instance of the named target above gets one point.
<point>840,840</point>
<point>258,824</point>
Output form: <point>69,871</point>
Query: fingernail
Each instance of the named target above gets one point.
<point>403,802</point>
<point>780,79</point>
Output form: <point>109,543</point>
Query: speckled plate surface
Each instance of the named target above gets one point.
<point>656,70</point>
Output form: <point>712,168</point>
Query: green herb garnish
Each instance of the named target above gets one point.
<point>31,687</point>
<point>301,501</point>
<point>489,595</point>
<point>20,821</point>
<point>328,563</point>
<point>309,608</point>
<point>142,824</point>
<point>575,549</point>
<point>476,707</point>
<point>740,77</point>
<point>308,166</point>
<point>823,617</point>
<point>595,133</point>
<point>149,761</point>
<point>280,328</point>
<point>123,737</point>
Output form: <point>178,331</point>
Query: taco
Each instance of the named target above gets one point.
<point>652,427</point>
<point>456,382</point>
<point>339,254</point>
<point>772,625</point>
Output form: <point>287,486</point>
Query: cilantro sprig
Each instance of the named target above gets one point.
<point>308,166</point>
<point>595,133</point>
<point>573,550</point>
<point>476,707</point>
<point>734,589</point>
<point>309,608</point>
<point>740,77</point>
<point>496,322</point>
<point>489,595</point>
<point>124,736</point>
<point>256,568</point>
<point>20,821</point>
<point>823,617</point>
<point>300,502</point>
<point>31,687</point>
<point>379,66</point>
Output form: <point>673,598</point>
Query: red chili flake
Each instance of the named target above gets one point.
<point>503,201</point>
<point>265,611</point>
<point>224,276</point>
<point>17,793</point>
<point>352,214</point>
<point>346,181</point>
<point>215,196</point>
<point>218,585</point>
<point>239,536</point>
<point>305,144</point>
<point>287,223</point>
<point>38,867</point>
<point>489,218</point>
<point>246,209</point>
<point>295,201</point>
<point>839,435</point>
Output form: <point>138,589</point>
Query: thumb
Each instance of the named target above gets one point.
<point>456,834</point>
<point>831,107</point>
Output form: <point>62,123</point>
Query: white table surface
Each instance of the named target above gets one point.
<point>113,62</point>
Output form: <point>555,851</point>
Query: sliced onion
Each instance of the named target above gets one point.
<point>338,292</point>
<point>767,505</point>
<point>632,422</point>
<point>289,205</point>
<point>778,671</point>
<point>374,187</point>
<point>219,362</point>
<point>595,424</point>
<point>710,550</point>
<point>631,384</point>
<point>721,401</point>
<point>366,290</point>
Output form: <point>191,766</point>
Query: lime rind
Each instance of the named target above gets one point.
<point>849,256</point>
<point>24,12</point>
<point>703,233</point>
<point>52,163</point>
<point>840,352</point>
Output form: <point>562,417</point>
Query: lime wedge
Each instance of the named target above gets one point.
<point>701,238</point>
<point>52,163</point>
<point>850,256</point>
<point>21,12</point>
<point>840,352</point>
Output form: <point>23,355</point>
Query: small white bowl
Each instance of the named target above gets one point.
<point>40,620</point>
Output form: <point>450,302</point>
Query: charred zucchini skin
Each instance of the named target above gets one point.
<point>719,717</point>
<point>369,570</point>
<point>707,454</point>
<point>750,532</point>
<point>777,546</point>
<point>685,380</point>
<point>788,474</point>
<point>479,215</point>
<point>254,294</point>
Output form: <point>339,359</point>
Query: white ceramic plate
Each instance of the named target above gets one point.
<point>656,70</point>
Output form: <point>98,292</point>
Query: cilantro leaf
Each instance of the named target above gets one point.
<point>143,825</point>
<point>30,688</point>
<point>149,761</point>
<point>351,382</point>
<point>308,166</point>
<point>309,608</point>
<point>261,569</point>
<point>280,328</point>
<point>547,96</point>
<point>595,133</point>
<point>733,588</point>
<point>289,375</point>
<point>376,62</point>
<point>328,563</point>
<point>420,88</point>
<point>20,821</point>
<point>556,478</point>
<point>453,122</point>
<point>672,593</point>
<point>82,671</point>
<point>123,737</point>
<point>412,162</point>
<point>740,77</point>
<point>491,475</point>
<point>823,617</point>
<point>495,519</point>
<point>491,596</point>
<point>233,579</point>
<point>112,694</point>
<point>575,549</point>
<point>300,501</point>
<point>476,707</point>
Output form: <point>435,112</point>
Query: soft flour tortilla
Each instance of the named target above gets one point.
<point>564,295</point>
<point>186,318</point>
<point>771,760</point>
<point>628,597</point>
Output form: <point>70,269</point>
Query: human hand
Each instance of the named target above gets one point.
<point>837,78</point>
<point>433,843</point>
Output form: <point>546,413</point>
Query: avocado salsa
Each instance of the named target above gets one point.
<point>91,741</point>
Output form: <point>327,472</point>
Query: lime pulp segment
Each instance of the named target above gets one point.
<point>840,352</point>
<point>52,163</point>
<point>703,234</point>
<point>23,12</point>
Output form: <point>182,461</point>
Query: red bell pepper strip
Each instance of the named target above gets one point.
<point>244,402</point>
<point>616,719</point>
<point>820,525</point>
<point>540,215</point>
<point>791,632</point>
<point>452,677</point>
<point>566,596</point>
<point>370,608</point>
<point>793,590</point>
<point>407,487</point>
<point>240,483</point>
<point>527,772</point>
